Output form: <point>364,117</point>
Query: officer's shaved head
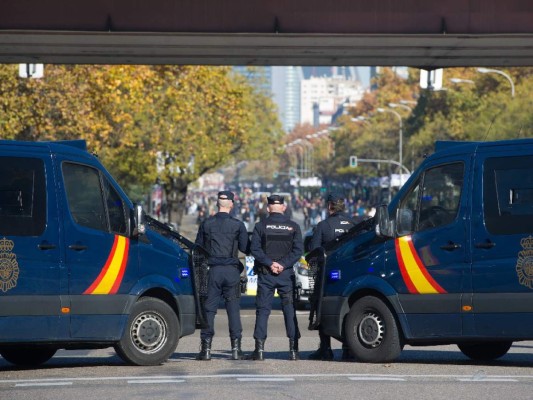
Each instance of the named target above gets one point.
<point>225,203</point>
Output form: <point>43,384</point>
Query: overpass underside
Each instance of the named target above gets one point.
<point>419,33</point>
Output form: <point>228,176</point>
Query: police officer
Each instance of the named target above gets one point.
<point>222,236</point>
<point>276,245</point>
<point>336,225</point>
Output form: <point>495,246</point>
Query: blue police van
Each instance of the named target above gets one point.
<point>81,266</point>
<point>448,261</point>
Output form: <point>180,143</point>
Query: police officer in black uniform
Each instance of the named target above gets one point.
<point>336,225</point>
<point>276,245</point>
<point>222,236</point>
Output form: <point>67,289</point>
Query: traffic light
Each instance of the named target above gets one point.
<point>353,161</point>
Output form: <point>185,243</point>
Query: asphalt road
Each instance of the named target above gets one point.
<point>439,372</point>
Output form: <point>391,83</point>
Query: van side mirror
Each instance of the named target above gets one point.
<point>404,221</point>
<point>384,226</point>
<point>139,228</point>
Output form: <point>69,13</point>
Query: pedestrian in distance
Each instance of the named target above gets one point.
<point>337,224</point>
<point>223,236</point>
<point>276,245</point>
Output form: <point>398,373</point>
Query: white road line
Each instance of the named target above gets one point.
<point>374,378</point>
<point>486,380</point>
<point>43,384</point>
<point>157,381</point>
<point>265,379</point>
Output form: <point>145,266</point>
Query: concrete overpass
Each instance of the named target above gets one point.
<point>420,33</point>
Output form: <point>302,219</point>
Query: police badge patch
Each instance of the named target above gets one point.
<point>524,264</point>
<point>9,268</point>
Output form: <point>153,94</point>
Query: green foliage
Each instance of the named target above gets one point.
<point>145,122</point>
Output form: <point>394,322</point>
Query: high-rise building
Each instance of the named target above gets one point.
<point>286,94</point>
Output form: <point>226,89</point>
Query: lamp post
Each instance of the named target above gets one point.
<point>400,146</point>
<point>401,105</point>
<point>459,80</point>
<point>497,71</point>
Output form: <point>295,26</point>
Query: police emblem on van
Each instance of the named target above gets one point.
<point>524,265</point>
<point>9,268</point>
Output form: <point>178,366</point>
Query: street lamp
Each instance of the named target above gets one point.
<point>394,105</point>
<point>459,80</point>
<point>400,145</point>
<point>497,71</point>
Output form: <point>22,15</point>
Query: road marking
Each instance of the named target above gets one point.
<point>34,384</point>
<point>157,381</point>
<point>265,379</point>
<point>487,380</point>
<point>374,378</point>
<point>258,378</point>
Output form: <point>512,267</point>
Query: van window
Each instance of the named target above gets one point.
<point>441,195</point>
<point>91,206</point>
<point>432,201</point>
<point>115,208</point>
<point>22,196</point>
<point>508,195</point>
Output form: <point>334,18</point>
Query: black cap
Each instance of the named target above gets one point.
<point>226,195</point>
<point>275,199</point>
<point>335,197</point>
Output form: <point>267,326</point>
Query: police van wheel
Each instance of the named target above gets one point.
<point>371,331</point>
<point>29,356</point>
<point>485,351</point>
<point>151,334</point>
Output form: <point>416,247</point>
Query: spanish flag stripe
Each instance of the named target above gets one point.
<point>104,270</point>
<point>414,267</point>
<point>407,280</point>
<point>424,270</point>
<point>120,275</point>
<point>110,278</point>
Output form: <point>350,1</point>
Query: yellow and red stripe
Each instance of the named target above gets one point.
<point>414,273</point>
<point>110,277</point>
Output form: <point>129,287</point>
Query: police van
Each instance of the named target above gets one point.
<point>80,266</point>
<point>448,261</point>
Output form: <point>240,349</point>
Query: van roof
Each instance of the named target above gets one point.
<point>52,145</point>
<point>454,147</point>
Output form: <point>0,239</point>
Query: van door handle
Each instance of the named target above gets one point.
<point>46,246</point>
<point>77,247</point>
<point>451,246</point>
<point>485,245</point>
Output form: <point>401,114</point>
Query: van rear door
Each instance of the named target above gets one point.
<point>502,241</point>
<point>30,267</point>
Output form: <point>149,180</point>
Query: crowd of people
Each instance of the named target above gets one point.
<point>251,207</point>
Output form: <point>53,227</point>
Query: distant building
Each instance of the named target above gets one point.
<point>322,97</point>
<point>286,91</point>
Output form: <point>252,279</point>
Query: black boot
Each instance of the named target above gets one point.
<point>258,354</point>
<point>293,350</point>
<point>236,352</point>
<point>324,352</point>
<point>205,350</point>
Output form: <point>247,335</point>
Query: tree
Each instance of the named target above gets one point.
<point>145,122</point>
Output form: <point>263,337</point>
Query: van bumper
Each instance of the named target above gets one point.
<point>334,309</point>
<point>187,314</point>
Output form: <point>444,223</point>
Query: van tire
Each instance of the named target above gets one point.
<point>151,334</point>
<point>371,331</point>
<point>485,351</point>
<point>27,356</point>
